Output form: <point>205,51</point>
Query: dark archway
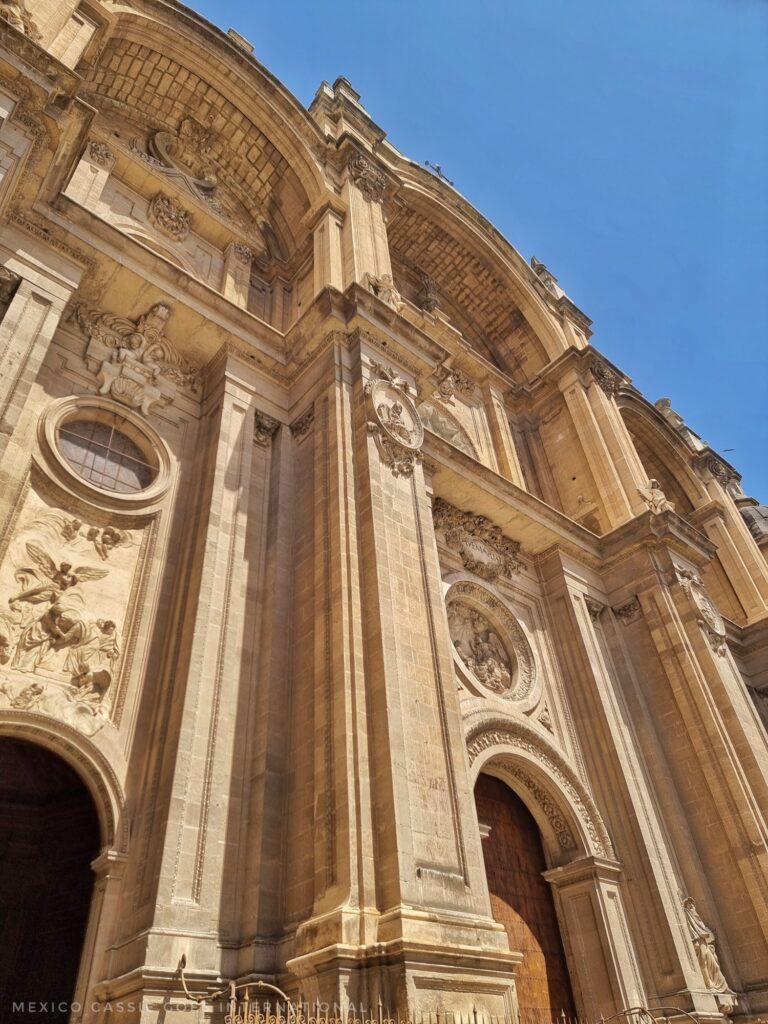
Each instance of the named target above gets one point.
<point>521,900</point>
<point>49,834</point>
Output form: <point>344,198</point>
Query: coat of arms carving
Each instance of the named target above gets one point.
<point>395,425</point>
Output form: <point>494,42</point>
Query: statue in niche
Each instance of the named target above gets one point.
<point>704,944</point>
<point>479,647</point>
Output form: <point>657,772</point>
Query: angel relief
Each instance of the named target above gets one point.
<point>58,621</point>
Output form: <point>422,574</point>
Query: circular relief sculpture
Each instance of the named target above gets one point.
<point>397,415</point>
<point>490,643</point>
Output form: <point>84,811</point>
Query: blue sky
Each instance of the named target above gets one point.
<point>622,142</point>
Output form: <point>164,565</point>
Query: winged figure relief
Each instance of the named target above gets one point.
<point>45,581</point>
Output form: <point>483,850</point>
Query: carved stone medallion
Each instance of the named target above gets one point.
<point>395,424</point>
<point>710,619</point>
<point>490,643</point>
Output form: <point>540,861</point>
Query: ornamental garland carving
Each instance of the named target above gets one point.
<point>368,178</point>
<point>490,643</point>
<point>169,217</point>
<point>519,737</point>
<point>484,550</point>
<point>63,590</point>
<point>394,422</point>
<point>135,362</point>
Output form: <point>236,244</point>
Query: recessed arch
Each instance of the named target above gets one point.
<point>88,762</point>
<point>515,752</point>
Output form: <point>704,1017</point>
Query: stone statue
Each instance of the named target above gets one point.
<point>655,498</point>
<point>704,944</point>
<point>676,421</point>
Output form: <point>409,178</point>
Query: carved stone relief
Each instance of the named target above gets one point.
<point>446,426</point>
<point>100,153</point>
<point>452,381</point>
<point>135,362</point>
<point>710,620</point>
<point>368,178</point>
<point>629,612</point>
<point>482,547</point>
<point>384,288</point>
<point>395,423</point>
<point>169,217</point>
<point>490,643</point>
<point>15,14</point>
<point>264,428</point>
<point>63,594</point>
<point>605,378</point>
<point>427,298</point>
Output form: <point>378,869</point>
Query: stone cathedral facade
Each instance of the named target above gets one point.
<point>363,630</point>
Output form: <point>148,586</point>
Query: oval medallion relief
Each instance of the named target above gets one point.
<point>490,643</point>
<point>397,415</point>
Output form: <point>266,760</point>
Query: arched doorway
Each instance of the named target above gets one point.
<point>521,900</point>
<point>49,834</point>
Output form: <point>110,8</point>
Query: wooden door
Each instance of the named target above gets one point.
<point>521,900</point>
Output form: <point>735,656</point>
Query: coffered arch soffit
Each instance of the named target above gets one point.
<point>264,145</point>
<point>482,282</point>
<point>663,453</point>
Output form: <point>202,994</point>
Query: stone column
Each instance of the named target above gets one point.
<point>364,235</point>
<point>596,935</point>
<point>109,868</point>
<point>46,283</point>
<point>90,176</point>
<point>236,284</point>
<point>432,916</point>
<point>328,267</point>
<point>503,441</point>
<point>617,504</point>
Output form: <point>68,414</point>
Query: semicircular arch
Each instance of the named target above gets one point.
<point>513,751</point>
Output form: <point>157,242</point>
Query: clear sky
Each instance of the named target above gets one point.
<point>622,142</point>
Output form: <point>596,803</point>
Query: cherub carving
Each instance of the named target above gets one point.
<point>52,580</point>
<point>107,539</point>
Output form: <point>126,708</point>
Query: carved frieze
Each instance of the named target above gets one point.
<point>394,422</point>
<point>64,585</point>
<point>135,362</point>
<point>169,217</point>
<point>368,178</point>
<point>490,643</point>
<point>484,550</point>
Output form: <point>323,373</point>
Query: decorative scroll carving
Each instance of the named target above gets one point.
<point>710,619</point>
<point>482,547</point>
<point>719,470</point>
<point>605,378</point>
<point>264,428</point>
<point>188,151</point>
<point>490,642</point>
<point>703,940</point>
<point>442,423</point>
<point>136,363</point>
<point>61,622</point>
<point>629,612</point>
<point>100,153</point>
<point>15,14</point>
<point>396,425</point>
<point>519,737</point>
<point>302,425</point>
<point>452,381</point>
<point>169,217</point>
<point>595,608</point>
<point>655,498</point>
<point>368,178</point>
